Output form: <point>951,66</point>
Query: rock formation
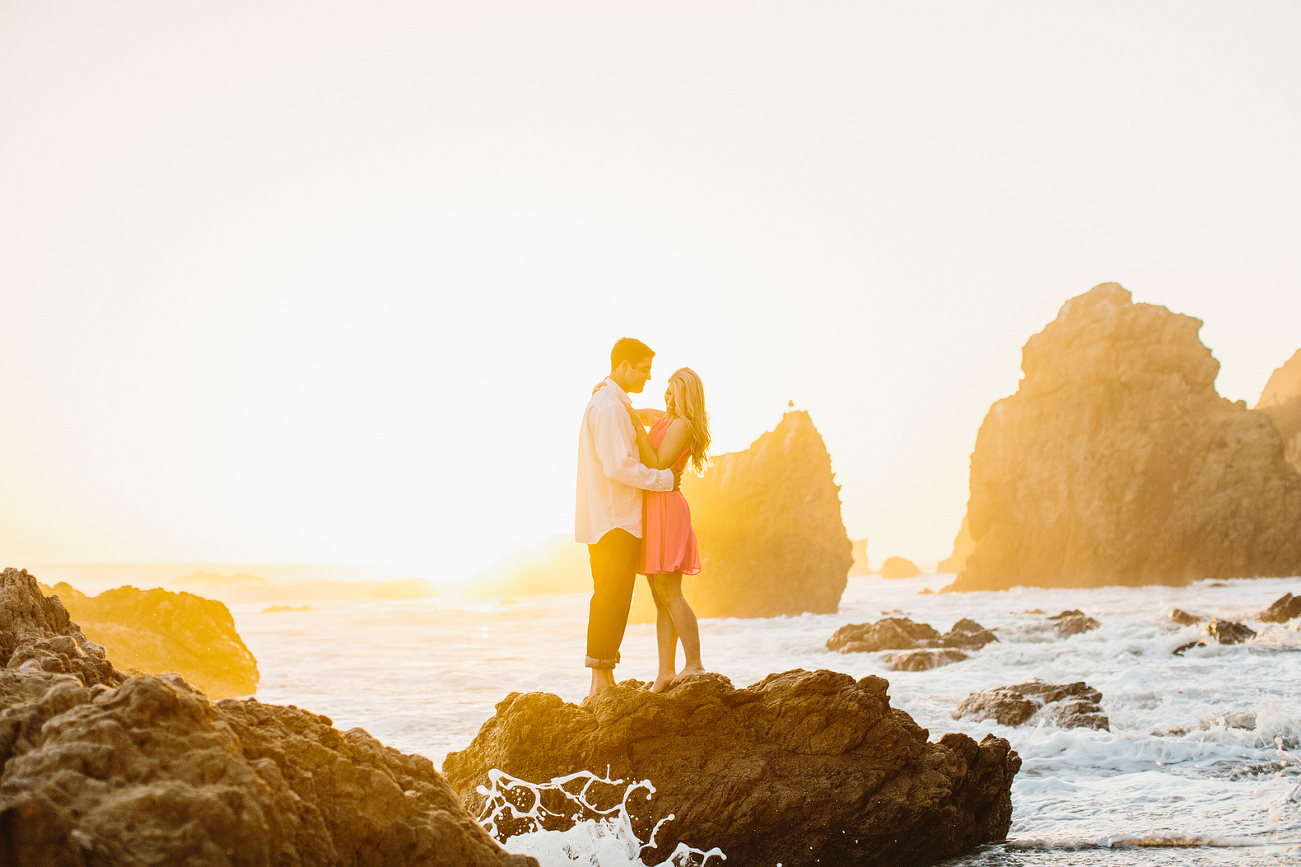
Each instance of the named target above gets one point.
<point>155,631</point>
<point>801,768</point>
<point>859,565</point>
<point>962,548</point>
<point>1072,705</point>
<point>900,633</point>
<point>1116,462</point>
<point>1183,618</point>
<point>1282,610</point>
<point>100,768</point>
<point>768,523</point>
<point>898,567</point>
<point>1072,622</point>
<point>922,660</point>
<point>1281,401</point>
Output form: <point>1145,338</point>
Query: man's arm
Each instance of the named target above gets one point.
<point>612,430</point>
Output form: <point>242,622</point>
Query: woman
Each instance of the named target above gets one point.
<point>677,437</point>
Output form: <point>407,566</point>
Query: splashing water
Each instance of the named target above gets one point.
<point>529,819</point>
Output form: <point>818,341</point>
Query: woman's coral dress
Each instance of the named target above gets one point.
<point>668,542</point>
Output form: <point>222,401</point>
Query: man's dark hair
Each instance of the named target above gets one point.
<point>631,350</point>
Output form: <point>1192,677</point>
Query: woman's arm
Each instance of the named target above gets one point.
<point>676,438</point>
<point>650,416</point>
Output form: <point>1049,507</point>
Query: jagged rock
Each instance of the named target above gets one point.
<point>801,768</point>
<point>1183,618</point>
<point>899,567</point>
<point>922,660</point>
<point>1233,719</point>
<point>968,635</point>
<point>888,633</point>
<point>768,523</point>
<point>1116,462</point>
<point>101,768</point>
<point>156,631</point>
<point>1187,646</point>
<point>859,565</point>
<point>1073,622</point>
<point>1284,609</point>
<point>1073,705</point>
<point>962,548</point>
<point>1281,401</point>
<point>1229,632</point>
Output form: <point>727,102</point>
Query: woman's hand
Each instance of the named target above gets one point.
<point>636,416</point>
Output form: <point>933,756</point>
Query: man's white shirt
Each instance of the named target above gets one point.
<point>611,475</point>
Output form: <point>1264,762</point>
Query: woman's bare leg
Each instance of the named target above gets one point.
<point>667,639</point>
<point>668,588</point>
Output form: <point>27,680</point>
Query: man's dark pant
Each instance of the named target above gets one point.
<point>614,572</point>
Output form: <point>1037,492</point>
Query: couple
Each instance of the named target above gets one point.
<point>632,515</point>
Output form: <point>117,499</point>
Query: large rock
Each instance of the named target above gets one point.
<point>859,565</point>
<point>899,567</point>
<point>962,548</point>
<point>901,633</point>
<point>1071,705</point>
<point>768,523</point>
<point>1281,401</point>
<point>801,768</point>
<point>156,631</point>
<point>1116,462</point>
<point>99,768</point>
<point>1283,609</point>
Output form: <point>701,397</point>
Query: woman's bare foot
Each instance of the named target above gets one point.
<point>687,671</point>
<point>663,682</point>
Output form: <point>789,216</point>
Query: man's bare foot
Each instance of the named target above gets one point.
<point>663,682</point>
<point>687,671</point>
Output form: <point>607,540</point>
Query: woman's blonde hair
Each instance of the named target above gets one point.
<point>688,399</point>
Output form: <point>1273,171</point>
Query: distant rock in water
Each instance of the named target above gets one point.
<point>156,631</point>
<point>859,565</point>
<point>1073,622</point>
<point>1116,462</point>
<point>898,567</point>
<point>962,548</point>
<point>1284,609</point>
<point>1281,401</point>
<point>922,660</point>
<point>102,768</point>
<point>1072,705</point>
<point>900,633</point>
<point>768,523</point>
<point>802,768</point>
<point>1183,618</point>
<point>1229,632</point>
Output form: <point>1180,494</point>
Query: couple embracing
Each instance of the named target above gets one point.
<point>631,514</point>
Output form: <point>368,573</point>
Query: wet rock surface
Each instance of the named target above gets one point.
<point>1072,622</point>
<point>1183,618</point>
<point>768,522</point>
<point>1283,609</point>
<point>901,633</point>
<point>100,769</point>
<point>802,768</point>
<point>156,632</point>
<point>1229,632</point>
<point>1116,462</point>
<point>923,660</point>
<point>1071,705</point>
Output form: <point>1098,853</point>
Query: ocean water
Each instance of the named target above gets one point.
<point>1171,783</point>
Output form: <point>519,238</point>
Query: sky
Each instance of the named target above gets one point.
<point>332,283</point>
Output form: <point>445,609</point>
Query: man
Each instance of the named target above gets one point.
<point>607,518</point>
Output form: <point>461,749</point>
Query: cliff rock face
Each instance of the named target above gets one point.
<point>801,768</point>
<point>100,768</point>
<point>962,548</point>
<point>156,631</point>
<point>768,523</point>
<point>859,565</point>
<point>1281,401</point>
<point>1117,463</point>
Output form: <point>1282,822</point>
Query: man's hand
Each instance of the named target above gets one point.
<point>677,480</point>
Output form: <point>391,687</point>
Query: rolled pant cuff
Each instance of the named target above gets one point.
<point>593,662</point>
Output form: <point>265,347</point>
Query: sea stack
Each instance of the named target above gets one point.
<point>1117,462</point>
<point>1281,401</point>
<point>769,527</point>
